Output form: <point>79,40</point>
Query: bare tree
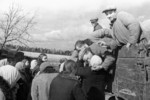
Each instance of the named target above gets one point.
<point>15,26</point>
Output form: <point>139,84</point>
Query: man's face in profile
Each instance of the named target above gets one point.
<point>111,15</point>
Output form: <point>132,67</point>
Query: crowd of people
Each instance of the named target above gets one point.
<point>87,75</point>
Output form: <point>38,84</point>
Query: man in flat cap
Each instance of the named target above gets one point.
<point>126,28</point>
<point>40,88</point>
<point>95,24</point>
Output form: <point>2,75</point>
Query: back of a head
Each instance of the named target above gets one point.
<point>19,56</point>
<point>69,66</point>
<point>11,61</point>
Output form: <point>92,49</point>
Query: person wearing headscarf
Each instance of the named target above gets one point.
<point>22,66</point>
<point>3,62</point>
<point>41,83</point>
<point>24,84</point>
<point>11,75</point>
<point>5,90</point>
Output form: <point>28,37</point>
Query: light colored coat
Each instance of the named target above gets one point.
<point>41,86</point>
<point>126,28</point>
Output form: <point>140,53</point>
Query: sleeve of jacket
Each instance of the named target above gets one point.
<point>108,61</point>
<point>83,71</point>
<point>34,90</point>
<point>78,93</point>
<point>113,45</point>
<point>102,33</point>
<point>132,24</point>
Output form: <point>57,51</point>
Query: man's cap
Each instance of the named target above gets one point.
<point>94,20</point>
<point>109,8</point>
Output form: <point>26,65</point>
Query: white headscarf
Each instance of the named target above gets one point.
<point>10,74</point>
<point>95,61</point>
<point>3,62</point>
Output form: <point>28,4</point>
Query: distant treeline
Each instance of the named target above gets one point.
<point>39,50</point>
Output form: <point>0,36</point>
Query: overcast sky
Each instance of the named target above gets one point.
<point>62,22</point>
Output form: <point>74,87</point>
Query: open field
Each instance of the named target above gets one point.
<point>51,57</point>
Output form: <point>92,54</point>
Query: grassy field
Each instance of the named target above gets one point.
<point>53,58</point>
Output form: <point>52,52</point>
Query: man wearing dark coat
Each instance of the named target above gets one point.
<point>93,82</point>
<point>107,54</point>
<point>66,85</point>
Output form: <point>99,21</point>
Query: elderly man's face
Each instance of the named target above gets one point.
<point>111,15</point>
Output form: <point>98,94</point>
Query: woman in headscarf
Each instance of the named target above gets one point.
<point>22,67</point>
<point>11,75</point>
<point>24,84</point>
<point>5,91</point>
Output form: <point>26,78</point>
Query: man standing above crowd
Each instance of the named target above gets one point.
<point>95,24</point>
<point>126,29</point>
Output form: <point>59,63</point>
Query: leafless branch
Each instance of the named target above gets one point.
<point>15,26</point>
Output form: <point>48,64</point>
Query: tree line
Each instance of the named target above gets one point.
<point>39,50</point>
<point>15,26</point>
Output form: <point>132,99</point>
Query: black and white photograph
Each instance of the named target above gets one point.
<point>74,50</point>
